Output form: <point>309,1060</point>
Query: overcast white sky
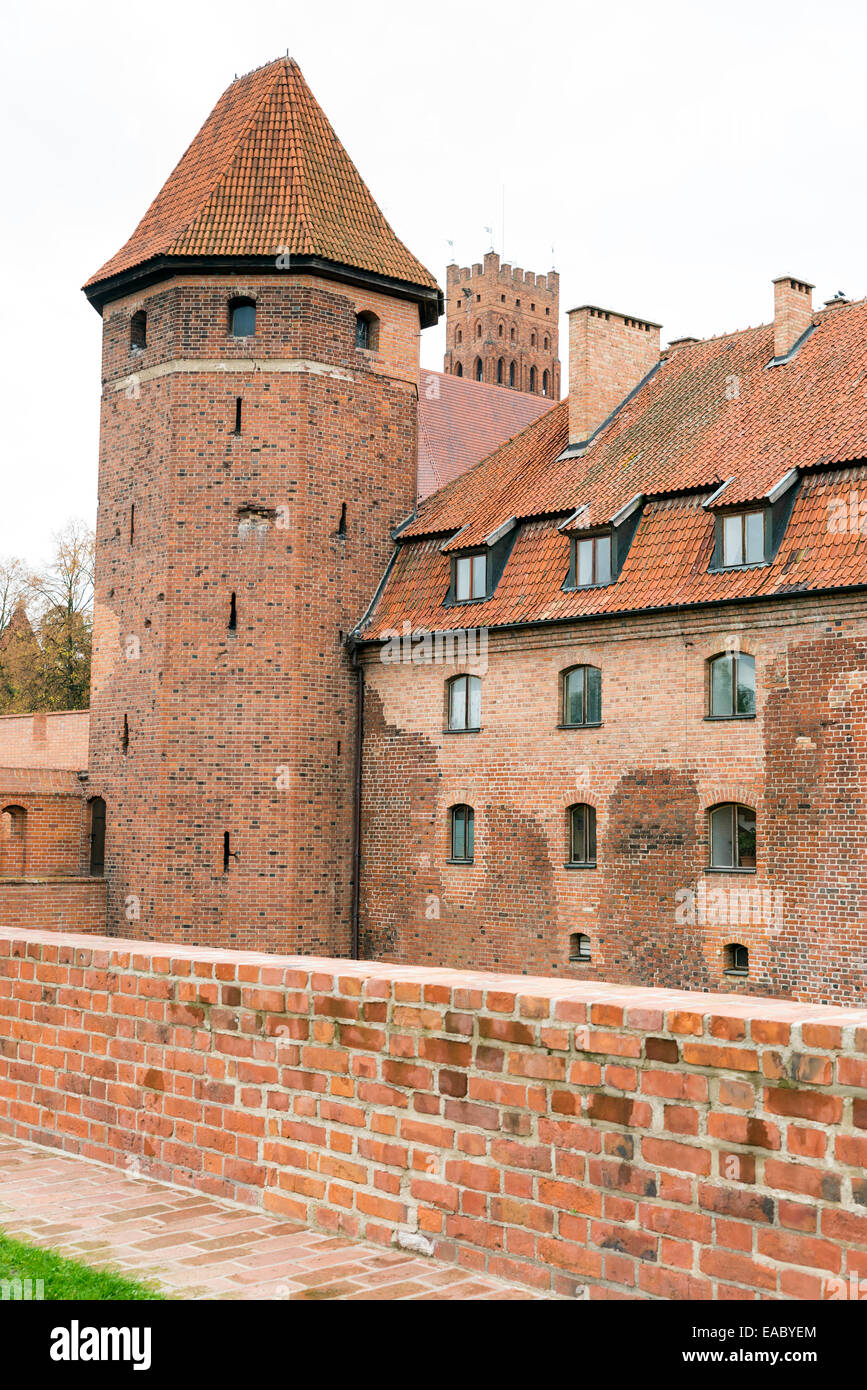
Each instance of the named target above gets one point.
<point>676,156</point>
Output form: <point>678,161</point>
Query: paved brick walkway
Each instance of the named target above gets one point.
<point>196,1247</point>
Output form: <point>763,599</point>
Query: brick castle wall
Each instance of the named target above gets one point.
<point>59,902</point>
<point>199,730</point>
<point>572,1136</point>
<point>45,740</point>
<point>652,910</point>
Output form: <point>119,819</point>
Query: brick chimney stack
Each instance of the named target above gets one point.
<point>609,354</point>
<point>793,312</point>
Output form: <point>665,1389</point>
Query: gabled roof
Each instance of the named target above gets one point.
<point>267,174</point>
<point>462,421</point>
<point>713,411</point>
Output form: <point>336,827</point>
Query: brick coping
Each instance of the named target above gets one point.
<point>629,997</point>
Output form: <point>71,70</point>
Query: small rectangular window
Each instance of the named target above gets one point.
<point>471,577</point>
<point>593,561</point>
<point>743,539</point>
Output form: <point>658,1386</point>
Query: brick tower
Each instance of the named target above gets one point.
<point>258,445</point>
<point>502,326</point>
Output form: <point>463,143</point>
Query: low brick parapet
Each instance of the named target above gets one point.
<point>633,1142</point>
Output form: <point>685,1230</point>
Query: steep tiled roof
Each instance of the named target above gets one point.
<point>712,412</point>
<point>267,172</point>
<point>462,421</point>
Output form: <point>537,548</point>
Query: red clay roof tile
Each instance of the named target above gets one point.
<point>267,173</point>
<point>713,411</point>
<point>462,421</point>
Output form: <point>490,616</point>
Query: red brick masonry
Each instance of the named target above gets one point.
<point>644,1143</point>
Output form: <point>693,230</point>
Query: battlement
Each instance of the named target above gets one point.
<point>503,272</point>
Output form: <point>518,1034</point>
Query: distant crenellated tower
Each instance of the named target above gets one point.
<point>258,445</point>
<point>502,326</point>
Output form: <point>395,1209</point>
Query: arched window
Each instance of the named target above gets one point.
<point>579,946</point>
<point>459,337</point>
<point>512,334</point>
<point>14,819</point>
<point>459,371</point>
<point>97,835</point>
<point>500,331</point>
<point>582,697</point>
<point>547,343</point>
<point>511,374</point>
<point>464,703</point>
<point>533,379</point>
<point>242,317</point>
<point>13,822</point>
<point>479,369</point>
<point>532,340</point>
<point>732,837</point>
<point>545,384</point>
<point>500,366</point>
<point>582,836</point>
<point>367,332</point>
<point>737,959</point>
<point>732,686</point>
<point>478,330</point>
<point>461,831</point>
<point>138,331</point>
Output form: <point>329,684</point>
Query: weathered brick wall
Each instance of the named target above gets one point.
<point>45,740</point>
<point>199,730</point>
<point>637,1142</point>
<point>54,835</point>
<point>654,912</point>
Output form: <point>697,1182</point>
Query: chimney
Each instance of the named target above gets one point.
<point>793,312</point>
<point>609,354</point>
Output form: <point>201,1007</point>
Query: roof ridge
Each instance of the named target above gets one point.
<point>296,148</point>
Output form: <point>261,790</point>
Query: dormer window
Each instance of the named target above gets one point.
<point>471,577</point>
<point>592,561</point>
<point>743,539</point>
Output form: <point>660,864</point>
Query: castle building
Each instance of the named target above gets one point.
<point>502,326</point>
<point>593,704</point>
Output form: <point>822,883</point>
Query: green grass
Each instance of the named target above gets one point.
<point>66,1279</point>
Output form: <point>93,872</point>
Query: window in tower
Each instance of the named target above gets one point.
<point>479,369</point>
<point>242,317</point>
<point>138,331</point>
<point>367,332</point>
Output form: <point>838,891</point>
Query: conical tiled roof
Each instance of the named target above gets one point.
<point>265,174</point>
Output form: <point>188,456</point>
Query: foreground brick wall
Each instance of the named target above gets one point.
<point>640,1143</point>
